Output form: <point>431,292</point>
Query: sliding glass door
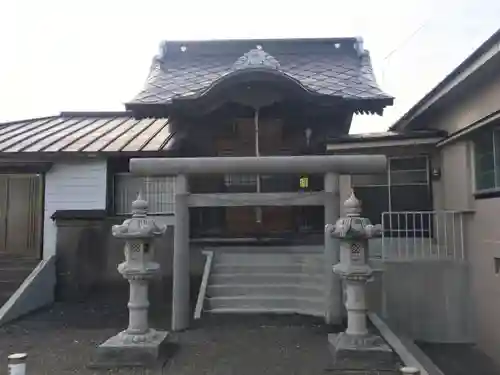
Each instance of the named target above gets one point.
<point>405,187</point>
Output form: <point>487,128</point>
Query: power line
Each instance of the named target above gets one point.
<point>402,44</point>
<point>405,42</point>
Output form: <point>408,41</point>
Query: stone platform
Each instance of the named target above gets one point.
<point>123,350</point>
<point>368,352</point>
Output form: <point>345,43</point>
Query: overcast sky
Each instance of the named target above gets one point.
<point>60,55</point>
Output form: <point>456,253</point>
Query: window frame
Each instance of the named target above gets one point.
<point>390,172</point>
<point>495,137</point>
<point>113,192</point>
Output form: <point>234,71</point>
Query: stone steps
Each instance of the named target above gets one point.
<point>267,280</point>
<point>259,277</point>
<point>13,271</point>
<point>298,268</point>
<point>267,310</point>
<point>264,303</point>
<point>306,290</point>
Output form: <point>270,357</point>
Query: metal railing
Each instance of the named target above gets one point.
<point>423,235</point>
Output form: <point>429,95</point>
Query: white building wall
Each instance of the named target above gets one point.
<point>72,186</point>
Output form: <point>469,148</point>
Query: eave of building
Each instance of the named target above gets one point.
<point>468,130</point>
<point>86,134</point>
<point>384,140</point>
<point>481,56</point>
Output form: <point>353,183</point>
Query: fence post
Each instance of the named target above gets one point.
<point>410,371</point>
<point>17,364</point>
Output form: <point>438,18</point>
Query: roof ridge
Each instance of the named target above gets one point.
<point>96,113</point>
<point>220,47</point>
<point>284,40</point>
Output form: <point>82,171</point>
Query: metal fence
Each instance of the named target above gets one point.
<point>423,235</point>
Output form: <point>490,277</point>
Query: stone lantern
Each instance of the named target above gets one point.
<point>138,344</point>
<point>356,346</point>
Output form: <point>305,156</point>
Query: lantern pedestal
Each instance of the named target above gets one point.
<point>138,345</point>
<point>128,350</point>
<point>366,352</point>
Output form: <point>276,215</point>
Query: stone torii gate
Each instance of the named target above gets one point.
<point>330,165</point>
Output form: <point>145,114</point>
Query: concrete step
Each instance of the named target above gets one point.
<point>278,311</point>
<point>11,261</point>
<point>15,273</point>
<point>268,249</point>
<point>303,268</point>
<point>300,290</point>
<point>270,259</point>
<point>10,285</point>
<point>265,302</point>
<point>264,279</point>
<point>4,297</point>
<point>8,288</point>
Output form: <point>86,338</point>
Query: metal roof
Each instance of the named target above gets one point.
<point>86,132</point>
<point>338,67</point>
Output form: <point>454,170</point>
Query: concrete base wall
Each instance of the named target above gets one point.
<point>88,256</point>
<point>425,300</point>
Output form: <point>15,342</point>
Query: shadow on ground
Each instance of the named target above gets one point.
<point>61,340</point>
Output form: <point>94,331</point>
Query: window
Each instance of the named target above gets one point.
<point>487,159</point>
<point>158,191</point>
<point>404,187</point>
<point>408,171</point>
<point>247,183</point>
<point>402,171</point>
<point>240,180</point>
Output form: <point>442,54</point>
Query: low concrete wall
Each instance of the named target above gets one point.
<point>88,256</point>
<point>36,291</point>
<point>424,300</point>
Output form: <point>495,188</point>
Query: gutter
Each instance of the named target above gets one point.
<point>383,143</point>
<point>485,121</point>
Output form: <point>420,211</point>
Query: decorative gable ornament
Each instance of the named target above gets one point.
<point>256,58</point>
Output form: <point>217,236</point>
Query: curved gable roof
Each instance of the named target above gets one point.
<point>336,67</point>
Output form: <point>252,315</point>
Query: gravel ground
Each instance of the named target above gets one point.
<point>61,340</point>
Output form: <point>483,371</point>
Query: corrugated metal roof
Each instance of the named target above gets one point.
<point>90,132</point>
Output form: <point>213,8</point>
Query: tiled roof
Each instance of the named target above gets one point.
<point>331,67</point>
<point>86,132</point>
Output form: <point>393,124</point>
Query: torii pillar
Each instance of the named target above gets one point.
<point>330,165</point>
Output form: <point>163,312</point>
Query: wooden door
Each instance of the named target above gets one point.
<point>277,220</point>
<point>21,212</point>
<point>241,221</point>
